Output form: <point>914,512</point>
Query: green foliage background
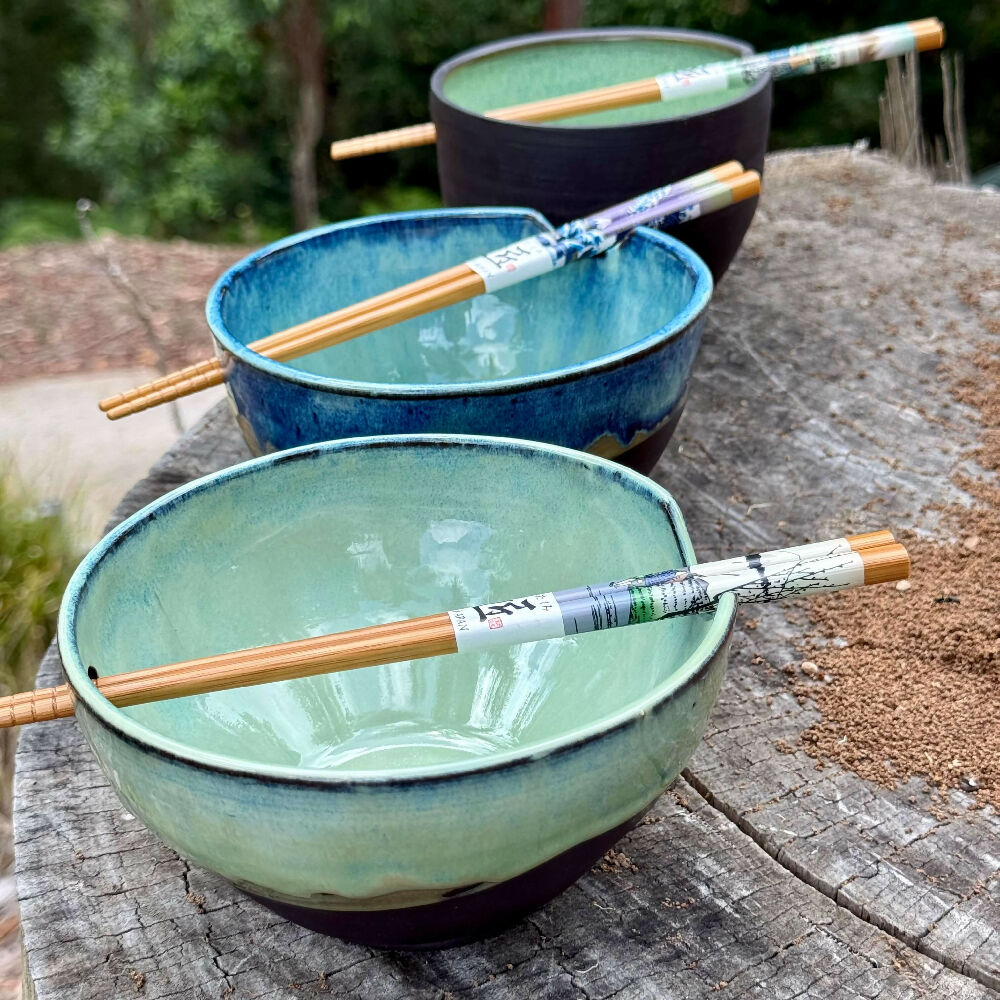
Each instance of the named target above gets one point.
<point>37,557</point>
<point>175,115</point>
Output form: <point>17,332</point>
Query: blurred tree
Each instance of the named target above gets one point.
<point>180,111</point>
<point>37,39</point>
<point>209,118</point>
<point>383,54</point>
<point>563,14</point>
<point>302,38</point>
<point>190,111</point>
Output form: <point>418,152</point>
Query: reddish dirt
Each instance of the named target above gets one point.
<point>914,690</point>
<point>61,313</point>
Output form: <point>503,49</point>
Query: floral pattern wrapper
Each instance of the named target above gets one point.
<point>799,60</point>
<point>664,206</point>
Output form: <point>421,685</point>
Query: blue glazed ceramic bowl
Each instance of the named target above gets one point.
<point>596,356</point>
<point>415,803</point>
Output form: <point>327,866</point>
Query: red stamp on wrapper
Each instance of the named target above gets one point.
<point>496,622</point>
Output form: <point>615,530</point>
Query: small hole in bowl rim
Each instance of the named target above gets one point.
<point>695,306</point>
<point>149,740</point>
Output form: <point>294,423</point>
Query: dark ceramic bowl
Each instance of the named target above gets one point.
<point>571,168</point>
<point>596,356</point>
<point>415,803</point>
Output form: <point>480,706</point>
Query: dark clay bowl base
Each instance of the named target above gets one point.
<point>644,456</point>
<point>463,917</point>
<point>567,173</point>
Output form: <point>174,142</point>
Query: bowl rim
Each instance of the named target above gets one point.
<point>149,740</point>
<point>740,47</point>
<point>678,324</point>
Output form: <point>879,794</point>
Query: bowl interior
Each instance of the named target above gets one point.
<point>566,318</point>
<point>537,70</point>
<point>344,535</point>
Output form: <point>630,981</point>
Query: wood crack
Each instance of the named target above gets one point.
<point>862,913</point>
<point>710,915</point>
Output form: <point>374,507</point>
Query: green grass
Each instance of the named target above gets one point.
<point>37,556</point>
<point>398,198</point>
<point>36,220</point>
<point>25,221</point>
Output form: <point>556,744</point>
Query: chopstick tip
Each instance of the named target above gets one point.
<point>929,34</point>
<point>885,564</point>
<point>747,185</point>
<point>871,540</point>
<point>727,171</point>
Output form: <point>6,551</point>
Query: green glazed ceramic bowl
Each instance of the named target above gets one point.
<point>412,804</point>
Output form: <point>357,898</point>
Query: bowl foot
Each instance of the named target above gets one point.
<point>462,918</point>
<point>644,456</point>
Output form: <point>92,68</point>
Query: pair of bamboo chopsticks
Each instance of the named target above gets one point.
<point>819,567</point>
<point>699,194</point>
<point>844,50</point>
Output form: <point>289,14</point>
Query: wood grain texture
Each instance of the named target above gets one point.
<point>759,876</point>
<point>849,255</point>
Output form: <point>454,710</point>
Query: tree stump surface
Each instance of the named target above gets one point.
<point>757,875</point>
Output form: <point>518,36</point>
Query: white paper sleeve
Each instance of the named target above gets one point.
<point>527,619</point>
<point>515,263</point>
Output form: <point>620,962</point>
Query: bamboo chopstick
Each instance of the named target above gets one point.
<point>313,335</point>
<point>210,370</point>
<point>844,50</point>
<point>701,193</point>
<point>757,578</point>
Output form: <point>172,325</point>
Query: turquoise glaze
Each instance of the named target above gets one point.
<point>595,356</point>
<point>390,786</point>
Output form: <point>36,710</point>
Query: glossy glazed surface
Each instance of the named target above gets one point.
<point>564,358</point>
<point>376,535</point>
<point>564,319</point>
<point>569,172</point>
<point>465,769</point>
<point>533,72</point>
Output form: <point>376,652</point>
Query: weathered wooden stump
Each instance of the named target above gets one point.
<point>757,875</point>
